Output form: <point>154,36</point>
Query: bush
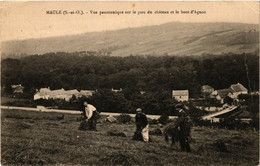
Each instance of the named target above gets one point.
<point>124,118</point>
<point>22,103</point>
<point>152,121</point>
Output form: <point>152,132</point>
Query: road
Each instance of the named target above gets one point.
<point>43,109</point>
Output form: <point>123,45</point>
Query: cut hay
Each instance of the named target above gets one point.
<point>116,133</point>
<point>110,119</point>
<point>156,131</point>
<point>240,141</point>
<point>220,146</point>
<point>84,126</point>
<point>124,118</point>
<point>172,130</point>
<point>217,145</point>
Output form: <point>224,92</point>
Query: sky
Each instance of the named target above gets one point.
<point>26,20</point>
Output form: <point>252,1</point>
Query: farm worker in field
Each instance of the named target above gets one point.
<point>142,124</point>
<point>184,124</point>
<point>90,115</point>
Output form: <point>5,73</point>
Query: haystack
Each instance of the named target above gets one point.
<point>111,119</point>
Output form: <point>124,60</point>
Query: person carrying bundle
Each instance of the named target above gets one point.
<point>183,124</point>
<point>142,127</point>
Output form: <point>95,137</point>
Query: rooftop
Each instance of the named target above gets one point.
<point>238,87</point>
<point>223,92</point>
<point>180,92</point>
<point>206,87</point>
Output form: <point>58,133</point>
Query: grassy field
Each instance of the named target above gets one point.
<point>34,138</point>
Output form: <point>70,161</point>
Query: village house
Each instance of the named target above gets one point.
<point>180,95</point>
<point>46,93</point>
<point>233,92</point>
<point>18,89</point>
<point>86,93</point>
<point>43,93</point>
<point>237,89</point>
<point>57,94</point>
<point>221,94</point>
<point>70,93</point>
<point>206,90</point>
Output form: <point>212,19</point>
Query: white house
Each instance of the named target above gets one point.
<point>70,93</point>
<point>43,93</point>
<point>46,93</point>
<point>58,94</point>
<point>237,89</point>
<point>180,95</point>
<point>87,93</point>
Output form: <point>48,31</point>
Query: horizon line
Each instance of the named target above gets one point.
<point>75,34</point>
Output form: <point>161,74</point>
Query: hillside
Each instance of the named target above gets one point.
<point>173,38</point>
<point>38,138</point>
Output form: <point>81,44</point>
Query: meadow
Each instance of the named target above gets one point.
<point>36,138</point>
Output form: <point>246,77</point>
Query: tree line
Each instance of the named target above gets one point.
<point>132,73</point>
<point>154,75</point>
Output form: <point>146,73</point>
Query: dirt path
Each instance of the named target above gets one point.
<point>43,109</point>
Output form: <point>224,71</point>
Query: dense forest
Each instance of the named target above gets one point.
<point>133,73</point>
<point>157,76</point>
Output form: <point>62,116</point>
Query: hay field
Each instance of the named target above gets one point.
<point>34,138</point>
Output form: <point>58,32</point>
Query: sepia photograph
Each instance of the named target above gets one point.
<point>129,83</point>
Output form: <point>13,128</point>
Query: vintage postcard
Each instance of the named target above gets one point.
<point>129,83</point>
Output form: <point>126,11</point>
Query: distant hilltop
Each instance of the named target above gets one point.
<point>174,38</point>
